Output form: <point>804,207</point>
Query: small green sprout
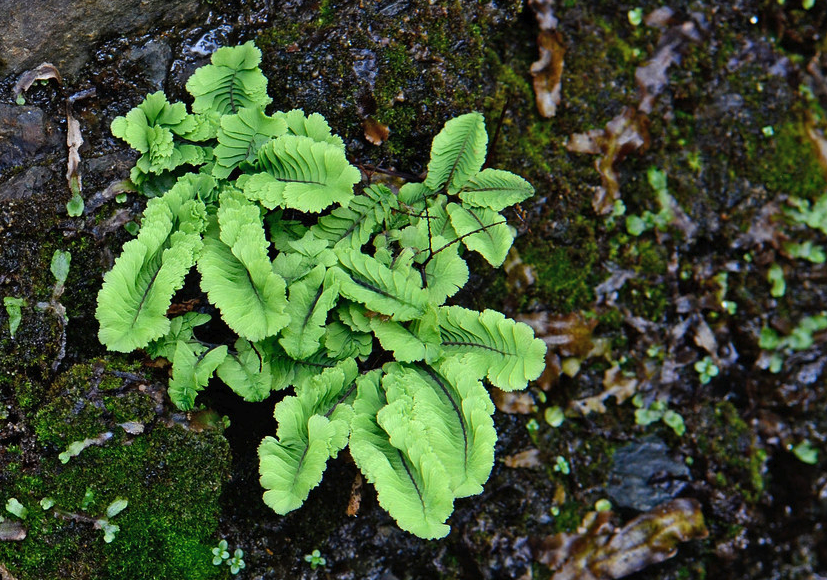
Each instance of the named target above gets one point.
<point>657,411</point>
<point>121,197</point>
<point>555,511</point>
<point>675,422</point>
<point>635,16</point>
<point>20,100</point>
<point>532,426</point>
<point>116,507</point>
<point>637,225</point>
<point>561,465</point>
<point>315,559</point>
<point>554,416</point>
<point>768,131</point>
<point>236,563</point>
<point>706,369</point>
<point>13,309</point>
<point>109,529</point>
<point>807,251</point>
<point>807,4</point>
<point>74,207</point>
<point>805,452</point>
<point>602,505</point>
<point>15,507</point>
<point>47,503</point>
<point>132,228</point>
<point>88,498</point>
<point>220,553</point>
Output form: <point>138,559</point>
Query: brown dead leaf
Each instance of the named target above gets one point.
<point>551,374</point>
<point>548,72</point>
<point>599,552</point>
<point>73,142</point>
<point>375,132</point>
<point>624,134</point>
<point>519,403</point>
<point>73,137</point>
<point>548,69</point>
<point>818,140</point>
<point>527,458</point>
<point>616,385</point>
<point>355,501</point>
<point>569,334</point>
<point>651,78</point>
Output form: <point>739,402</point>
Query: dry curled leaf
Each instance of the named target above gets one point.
<point>651,77</point>
<point>548,72</point>
<point>548,69</point>
<point>527,458</point>
<point>569,334</point>
<point>73,142</point>
<point>616,385</point>
<point>44,72</point>
<point>375,132</point>
<point>515,402</point>
<point>599,552</point>
<point>355,501</point>
<point>627,132</point>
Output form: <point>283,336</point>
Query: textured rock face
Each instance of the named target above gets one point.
<point>64,33</point>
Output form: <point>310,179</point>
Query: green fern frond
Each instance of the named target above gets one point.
<point>311,298</point>
<point>492,346</point>
<point>241,136</point>
<point>341,342</point>
<point>313,426</point>
<point>313,125</point>
<point>137,291</point>
<point>191,371</point>
<point>233,81</point>
<point>248,371</point>
<point>495,189</point>
<point>482,230</point>
<point>302,174</point>
<point>409,478</point>
<point>453,411</point>
<point>394,293</point>
<point>457,153</point>
<point>354,225</point>
<point>237,275</point>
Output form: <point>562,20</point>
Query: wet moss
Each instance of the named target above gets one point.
<point>171,477</point>
<point>730,451</point>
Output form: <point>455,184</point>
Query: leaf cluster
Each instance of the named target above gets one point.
<point>334,290</point>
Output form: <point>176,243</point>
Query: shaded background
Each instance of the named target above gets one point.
<point>736,124</point>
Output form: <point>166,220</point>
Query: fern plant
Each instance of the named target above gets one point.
<point>335,290</point>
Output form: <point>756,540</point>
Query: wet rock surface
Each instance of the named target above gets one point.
<point>732,132</point>
<point>66,33</point>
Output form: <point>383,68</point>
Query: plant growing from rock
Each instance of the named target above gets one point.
<point>336,292</point>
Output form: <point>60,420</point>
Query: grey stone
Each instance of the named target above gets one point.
<point>644,475</point>
<point>26,184</point>
<point>65,33</point>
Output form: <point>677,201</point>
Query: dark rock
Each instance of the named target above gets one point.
<point>25,133</point>
<point>65,33</point>
<point>26,184</point>
<point>644,475</point>
<point>154,58</point>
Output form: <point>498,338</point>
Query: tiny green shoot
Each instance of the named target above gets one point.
<point>13,506</point>
<point>315,559</point>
